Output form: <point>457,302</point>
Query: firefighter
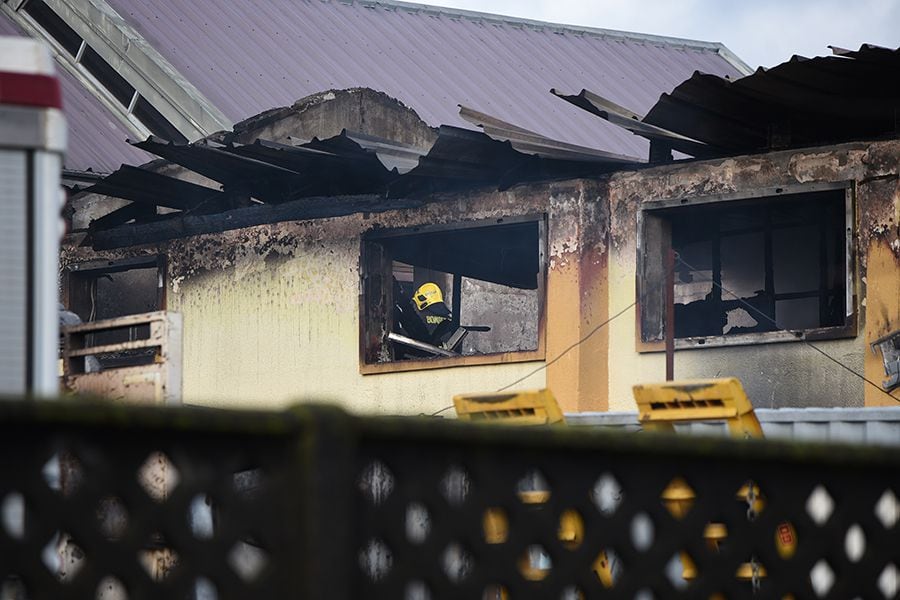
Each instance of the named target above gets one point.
<point>431,309</point>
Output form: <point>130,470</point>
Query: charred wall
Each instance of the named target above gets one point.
<point>271,313</point>
<point>775,374</point>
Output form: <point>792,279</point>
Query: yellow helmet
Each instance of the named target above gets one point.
<point>427,294</point>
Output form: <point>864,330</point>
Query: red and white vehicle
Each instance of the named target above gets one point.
<point>32,142</point>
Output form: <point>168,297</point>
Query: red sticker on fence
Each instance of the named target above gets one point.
<point>786,533</point>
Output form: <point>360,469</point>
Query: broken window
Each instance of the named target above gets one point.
<point>755,266</point>
<point>490,279</point>
<point>108,289</point>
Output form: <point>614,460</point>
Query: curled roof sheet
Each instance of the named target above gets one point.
<point>854,95</point>
<point>249,57</point>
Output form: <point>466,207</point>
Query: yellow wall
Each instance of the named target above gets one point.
<point>627,366</point>
<point>577,337</point>
<point>268,331</point>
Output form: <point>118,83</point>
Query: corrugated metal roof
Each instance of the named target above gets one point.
<point>97,140</point>
<point>250,57</point>
<point>148,187</point>
<point>88,120</point>
<point>843,425</point>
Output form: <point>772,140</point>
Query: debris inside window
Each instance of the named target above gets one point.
<point>738,317</point>
<point>462,291</point>
<point>760,265</point>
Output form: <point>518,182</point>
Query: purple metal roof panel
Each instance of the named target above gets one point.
<point>96,137</point>
<point>249,57</point>
<point>97,140</point>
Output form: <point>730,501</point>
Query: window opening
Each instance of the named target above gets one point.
<point>110,289</point>
<point>107,76</point>
<point>467,291</point>
<point>753,266</point>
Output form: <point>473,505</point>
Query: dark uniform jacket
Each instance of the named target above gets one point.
<point>437,321</point>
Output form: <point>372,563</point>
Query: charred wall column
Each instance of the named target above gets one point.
<point>577,297</point>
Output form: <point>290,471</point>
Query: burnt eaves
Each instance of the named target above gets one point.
<point>347,173</point>
<point>151,188</point>
<point>215,162</point>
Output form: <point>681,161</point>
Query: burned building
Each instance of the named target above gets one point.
<point>286,239</point>
<point>786,267</point>
<point>326,270</point>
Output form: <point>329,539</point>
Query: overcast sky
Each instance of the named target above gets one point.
<point>761,32</point>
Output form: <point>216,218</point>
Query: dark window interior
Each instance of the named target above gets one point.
<point>54,25</point>
<point>107,76</point>
<point>490,276</point>
<point>117,290</point>
<point>761,265</point>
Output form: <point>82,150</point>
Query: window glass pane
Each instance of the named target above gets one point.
<point>743,265</point>
<point>795,255</point>
<point>802,313</point>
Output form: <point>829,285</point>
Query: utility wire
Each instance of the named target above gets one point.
<point>773,322</point>
<point>571,347</point>
<point>721,287</point>
<point>559,356</point>
<point>436,413</point>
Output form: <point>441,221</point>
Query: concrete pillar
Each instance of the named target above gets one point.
<point>577,299</point>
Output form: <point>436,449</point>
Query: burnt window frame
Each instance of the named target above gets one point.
<point>654,238</point>
<point>76,289</point>
<point>371,259</point>
<point>77,274</point>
